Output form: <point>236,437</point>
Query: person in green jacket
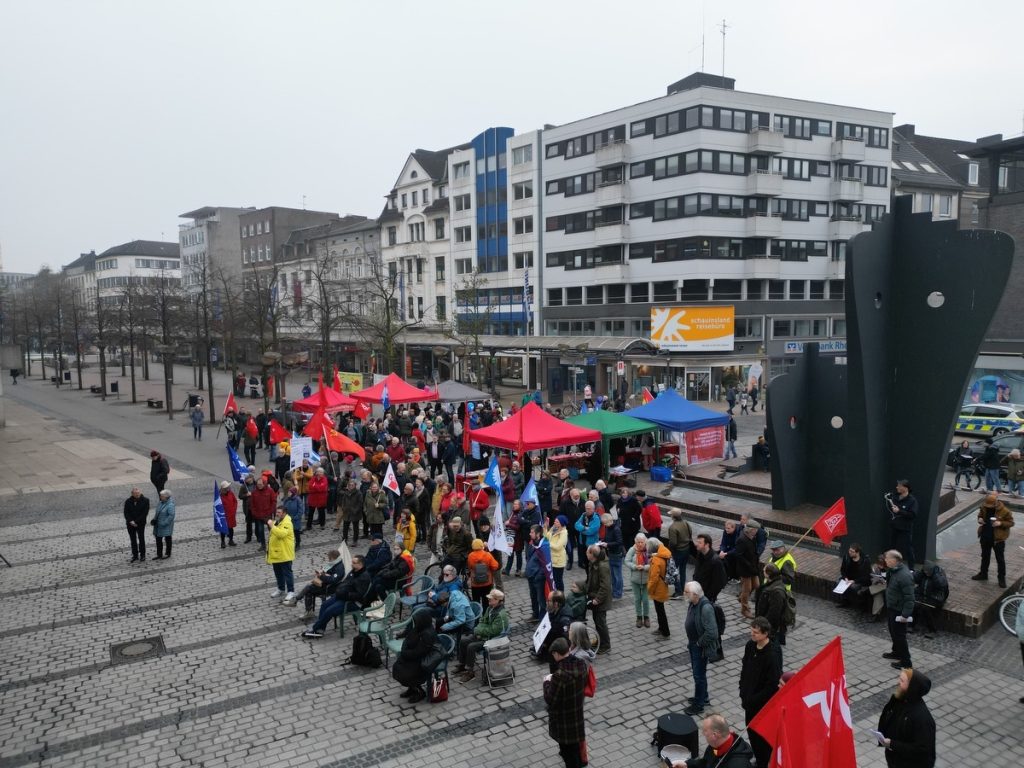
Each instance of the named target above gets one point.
<point>493,623</point>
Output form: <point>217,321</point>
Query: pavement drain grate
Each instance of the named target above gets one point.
<point>137,650</point>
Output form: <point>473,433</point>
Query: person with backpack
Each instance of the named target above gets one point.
<point>931,590</point>
<point>702,643</point>
<point>658,580</point>
<point>759,680</point>
<point>784,561</point>
<point>771,602</point>
<point>650,516</point>
<point>481,566</point>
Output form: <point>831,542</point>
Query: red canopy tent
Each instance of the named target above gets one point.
<point>532,428</point>
<point>399,391</point>
<point>330,400</point>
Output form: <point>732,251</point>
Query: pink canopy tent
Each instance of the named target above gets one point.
<point>398,390</point>
<point>532,428</point>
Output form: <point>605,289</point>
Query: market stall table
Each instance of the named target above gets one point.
<point>633,455</point>
<point>560,461</point>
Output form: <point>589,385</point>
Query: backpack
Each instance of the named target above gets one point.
<point>671,576</point>
<point>364,653</point>
<point>719,619</point>
<point>789,610</point>
<point>481,574</point>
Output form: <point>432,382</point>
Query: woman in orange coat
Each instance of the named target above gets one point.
<point>657,587</point>
<point>481,567</point>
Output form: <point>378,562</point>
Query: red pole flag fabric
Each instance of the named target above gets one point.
<point>317,424</point>
<point>278,433</point>
<point>646,396</point>
<point>341,444</point>
<point>362,410</point>
<point>466,442</point>
<point>336,380</point>
<point>781,756</point>
<point>229,405</point>
<point>391,482</point>
<point>832,523</point>
<point>816,710</point>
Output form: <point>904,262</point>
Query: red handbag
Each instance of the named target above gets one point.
<point>438,687</point>
<point>590,688</point>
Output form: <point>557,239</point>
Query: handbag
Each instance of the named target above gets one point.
<point>590,687</point>
<point>438,688</point>
<point>432,658</point>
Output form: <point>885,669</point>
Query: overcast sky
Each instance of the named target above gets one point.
<point>115,117</point>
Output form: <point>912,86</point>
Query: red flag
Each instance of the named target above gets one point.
<point>270,386</point>
<point>342,444</point>
<point>781,756</point>
<point>362,410</point>
<point>466,442</point>
<point>832,523</point>
<point>251,429</point>
<point>336,380</point>
<point>278,433</point>
<point>319,422</point>
<point>816,708</point>
<point>230,404</point>
<point>646,396</point>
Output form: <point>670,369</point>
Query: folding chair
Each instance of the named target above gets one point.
<point>419,587</point>
<point>498,669</point>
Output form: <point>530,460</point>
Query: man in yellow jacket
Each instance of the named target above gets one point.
<point>281,552</point>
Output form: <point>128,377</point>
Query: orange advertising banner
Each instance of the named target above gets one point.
<point>693,329</point>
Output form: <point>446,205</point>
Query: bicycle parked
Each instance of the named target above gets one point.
<point>1010,607</point>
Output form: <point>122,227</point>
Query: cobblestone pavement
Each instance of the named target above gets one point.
<point>237,686</point>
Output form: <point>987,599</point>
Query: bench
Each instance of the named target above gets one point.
<point>96,390</point>
<point>154,403</point>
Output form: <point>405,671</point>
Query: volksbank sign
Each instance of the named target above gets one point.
<point>825,347</point>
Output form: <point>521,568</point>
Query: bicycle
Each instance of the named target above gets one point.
<point>1009,608</point>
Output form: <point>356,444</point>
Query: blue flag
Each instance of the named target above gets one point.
<point>220,522</point>
<point>543,553</point>
<point>238,467</point>
<point>530,493</point>
<point>493,477</point>
<point>385,399</point>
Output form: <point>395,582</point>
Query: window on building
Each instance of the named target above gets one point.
<point>405,200</point>
<point>836,289</point>
<point>816,290</point>
<point>415,198</point>
<point>460,170</point>
<point>776,290</point>
<point>972,174</point>
<point>574,296</point>
<point>554,297</point>
<point>243,231</point>
<point>839,327</point>
<point>945,205</point>
<point>463,202</point>
<point>441,308</point>
<point>595,294</point>
<point>522,190</point>
<point>616,293</point>
<point>796,290</point>
<point>727,290</point>
<point>463,234</point>
<point>1004,177</point>
<point>523,259</point>
<point>439,229</point>
<point>639,293</point>
<point>522,225</point>
<point>748,328</point>
<point>925,199</point>
<point>522,154</point>
<point>665,290</point>
<point>464,266</point>
<point>392,235</point>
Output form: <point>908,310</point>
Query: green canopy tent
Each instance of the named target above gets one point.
<point>612,425</point>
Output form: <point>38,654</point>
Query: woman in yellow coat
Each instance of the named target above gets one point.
<point>657,587</point>
<point>406,528</point>
<point>281,552</point>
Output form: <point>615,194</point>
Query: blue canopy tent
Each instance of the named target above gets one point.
<point>672,411</point>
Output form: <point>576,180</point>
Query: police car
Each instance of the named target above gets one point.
<point>990,419</point>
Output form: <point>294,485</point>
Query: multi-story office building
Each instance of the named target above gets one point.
<point>708,196</point>
<point>209,247</point>
<point>263,232</point>
<point>141,263</point>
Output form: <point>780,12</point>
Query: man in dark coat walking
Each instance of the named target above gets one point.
<point>136,509</point>
<point>158,471</point>
<point>709,571</point>
<point>759,680</point>
<point>563,694</point>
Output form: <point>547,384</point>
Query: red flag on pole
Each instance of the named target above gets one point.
<point>317,424</point>
<point>646,396</point>
<point>336,380</point>
<point>278,433</point>
<point>832,523</point>
<point>816,708</point>
<point>781,756</point>
<point>342,444</point>
<point>229,405</point>
<point>466,442</point>
<point>362,410</point>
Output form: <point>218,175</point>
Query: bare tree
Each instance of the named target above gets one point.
<point>262,308</point>
<point>468,327</point>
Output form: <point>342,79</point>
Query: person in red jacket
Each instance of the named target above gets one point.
<point>230,502</point>
<point>316,499</point>
<point>262,504</point>
<point>479,506</point>
<point>650,516</point>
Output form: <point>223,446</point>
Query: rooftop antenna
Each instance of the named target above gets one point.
<point>723,26</point>
<point>303,202</point>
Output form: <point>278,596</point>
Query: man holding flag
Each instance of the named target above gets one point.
<point>539,575</point>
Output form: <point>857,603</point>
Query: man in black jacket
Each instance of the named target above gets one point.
<point>747,567</point>
<point>351,594</point>
<point>725,748</point>
<point>710,569</point>
<point>158,471</point>
<point>136,509</point>
<point>759,680</point>
<point>904,510</point>
<point>629,514</point>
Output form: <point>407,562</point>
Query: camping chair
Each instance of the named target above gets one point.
<point>498,669</point>
<point>374,621</point>
<point>477,610</point>
<point>448,643</point>
<point>420,588</point>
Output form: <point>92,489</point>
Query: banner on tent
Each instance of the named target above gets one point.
<point>704,445</point>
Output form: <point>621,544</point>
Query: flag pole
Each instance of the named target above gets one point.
<point>334,469</point>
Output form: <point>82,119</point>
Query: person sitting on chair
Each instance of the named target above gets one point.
<point>395,574</point>
<point>931,590</point>
<point>323,584</point>
<point>352,594</point>
<point>458,615</point>
<point>856,572</point>
<point>493,623</point>
<point>408,667</point>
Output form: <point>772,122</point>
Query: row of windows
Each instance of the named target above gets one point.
<point>873,137</point>
<point>493,297</point>
<point>585,145</point>
<point>745,328</point>
<point>717,118</point>
<point>699,290</point>
<point>705,161</point>
<point>256,255</point>
<point>124,280</point>
<point>584,221</point>
<point>725,205</point>
<point>584,182</point>
<point>801,127</point>
<point>195,237</point>
<point>258,229</point>
<point>415,194</point>
<point>867,214</point>
<point>871,175</point>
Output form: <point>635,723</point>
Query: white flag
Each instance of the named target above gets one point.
<point>390,481</point>
<point>498,540</point>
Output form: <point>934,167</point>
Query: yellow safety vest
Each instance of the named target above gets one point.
<point>782,561</point>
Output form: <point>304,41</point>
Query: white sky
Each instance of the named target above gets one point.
<point>117,116</point>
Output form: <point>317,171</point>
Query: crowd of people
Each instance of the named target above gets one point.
<point>613,538</point>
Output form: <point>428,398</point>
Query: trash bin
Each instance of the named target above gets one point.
<point>113,388</point>
<point>67,375</point>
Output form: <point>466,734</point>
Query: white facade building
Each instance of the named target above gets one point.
<point>141,263</point>
<point>709,196</point>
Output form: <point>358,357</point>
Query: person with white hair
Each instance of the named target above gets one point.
<point>163,525</point>
<point>702,643</point>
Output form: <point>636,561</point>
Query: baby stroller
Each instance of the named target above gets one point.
<point>498,669</point>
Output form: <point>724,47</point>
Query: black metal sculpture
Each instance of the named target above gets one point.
<point>919,298</point>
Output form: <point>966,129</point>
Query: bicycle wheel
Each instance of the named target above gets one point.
<point>976,481</point>
<point>1008,611</point>
<point>569,409</point>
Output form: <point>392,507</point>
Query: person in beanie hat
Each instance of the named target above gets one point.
<point>994,524</point>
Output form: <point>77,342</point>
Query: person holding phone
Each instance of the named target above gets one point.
<point>994,524</point>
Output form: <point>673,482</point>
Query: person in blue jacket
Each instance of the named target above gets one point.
<point>163,524</point>
<point>588,526</point>
<point>294,507</point>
